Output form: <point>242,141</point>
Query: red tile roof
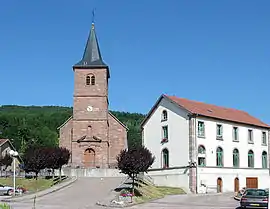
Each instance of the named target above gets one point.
<point>2,141</point>
<point>217,112</point>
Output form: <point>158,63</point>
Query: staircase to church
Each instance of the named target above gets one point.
<point>127,183</point>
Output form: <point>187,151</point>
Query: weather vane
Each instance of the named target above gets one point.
<point>93,15</point>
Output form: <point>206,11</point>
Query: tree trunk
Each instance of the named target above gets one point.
<point>36,177</point>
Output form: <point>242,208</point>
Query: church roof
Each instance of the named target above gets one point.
<point>92,56</point>
<point>110,113</point>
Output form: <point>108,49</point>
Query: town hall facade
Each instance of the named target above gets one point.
<point>93,134</point>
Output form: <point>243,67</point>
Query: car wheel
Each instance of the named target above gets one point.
<point>9,192</point>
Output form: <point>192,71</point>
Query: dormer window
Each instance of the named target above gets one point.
<point>90,80</point>
<point>164,115</point>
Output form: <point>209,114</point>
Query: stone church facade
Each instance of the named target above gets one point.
<point>93,134</point>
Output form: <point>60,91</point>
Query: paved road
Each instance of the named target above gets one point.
<point>220,201</point>
<point>84,194</point>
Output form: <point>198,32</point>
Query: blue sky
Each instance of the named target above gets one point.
<point>211,51</point>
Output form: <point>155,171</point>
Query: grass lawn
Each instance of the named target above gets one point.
<point>171,190</point>
<point>30,185</point>
<point>4,206</point>
<point>150,192</point>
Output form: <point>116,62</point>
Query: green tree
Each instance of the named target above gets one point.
<point>134,161</point>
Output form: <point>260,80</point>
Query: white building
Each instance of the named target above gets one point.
<point>203,147</point>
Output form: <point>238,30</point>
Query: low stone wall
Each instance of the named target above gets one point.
<point>91,172</point>
<point>177,177</point>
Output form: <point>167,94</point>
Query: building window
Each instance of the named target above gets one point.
<point>235,134</point>
<point>93,80</point>
<point>201,129</point>
<point>264,141</point>
<point>89,131</point>
<point>219,157</point>
<point>235,158</point>
<point>250,136</point>
<point>165,136</point>
<point>165,132</point>
<point>219,131</point>
<point>88,80</point>
<point>250,159</point>
<point>201,156</point>
<point>164,115</point>
<point>165,158</point>
<point>264,159</point>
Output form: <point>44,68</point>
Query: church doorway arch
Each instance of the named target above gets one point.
<point>89,158</point>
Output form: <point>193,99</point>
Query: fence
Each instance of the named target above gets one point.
<point>93,164</point>
<point>23,174</point>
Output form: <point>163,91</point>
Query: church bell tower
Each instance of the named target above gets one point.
<point>90,106</point>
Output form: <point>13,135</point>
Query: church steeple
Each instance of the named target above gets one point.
<point>92,56</point>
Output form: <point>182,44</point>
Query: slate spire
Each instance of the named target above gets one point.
<point>92,56</point>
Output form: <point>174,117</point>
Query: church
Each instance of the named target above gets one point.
<point>93,134</point>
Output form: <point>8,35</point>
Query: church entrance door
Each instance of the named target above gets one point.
<point>89,158</point>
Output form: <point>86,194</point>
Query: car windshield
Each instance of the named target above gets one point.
<point>256,193</point>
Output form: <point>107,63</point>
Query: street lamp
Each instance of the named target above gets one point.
<point>14,154</point>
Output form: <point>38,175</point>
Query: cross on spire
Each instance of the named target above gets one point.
<point>92,56</point>
<point>93,16</point>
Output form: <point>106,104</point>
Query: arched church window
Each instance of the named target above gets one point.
<point>88,80</point>
<point>93,80</point>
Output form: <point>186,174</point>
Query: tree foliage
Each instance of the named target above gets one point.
<point>36,159</point>
<point>37,125</point>
<point>135,160</point>
<point>59,157</point>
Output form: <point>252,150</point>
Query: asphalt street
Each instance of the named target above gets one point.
<point>85,192</point>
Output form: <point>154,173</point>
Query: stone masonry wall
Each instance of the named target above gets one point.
<point>95,96</point>
<point>100,130</point>
<point>65,135</point>
<point>102,125</point>
<point>117,138</point>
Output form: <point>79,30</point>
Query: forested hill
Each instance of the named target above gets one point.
<point>38,124</point>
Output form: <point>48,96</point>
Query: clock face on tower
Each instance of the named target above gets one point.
<point>89,108</point>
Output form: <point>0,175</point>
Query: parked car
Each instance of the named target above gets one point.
<point>254,198</point>
<point>6,190</point>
